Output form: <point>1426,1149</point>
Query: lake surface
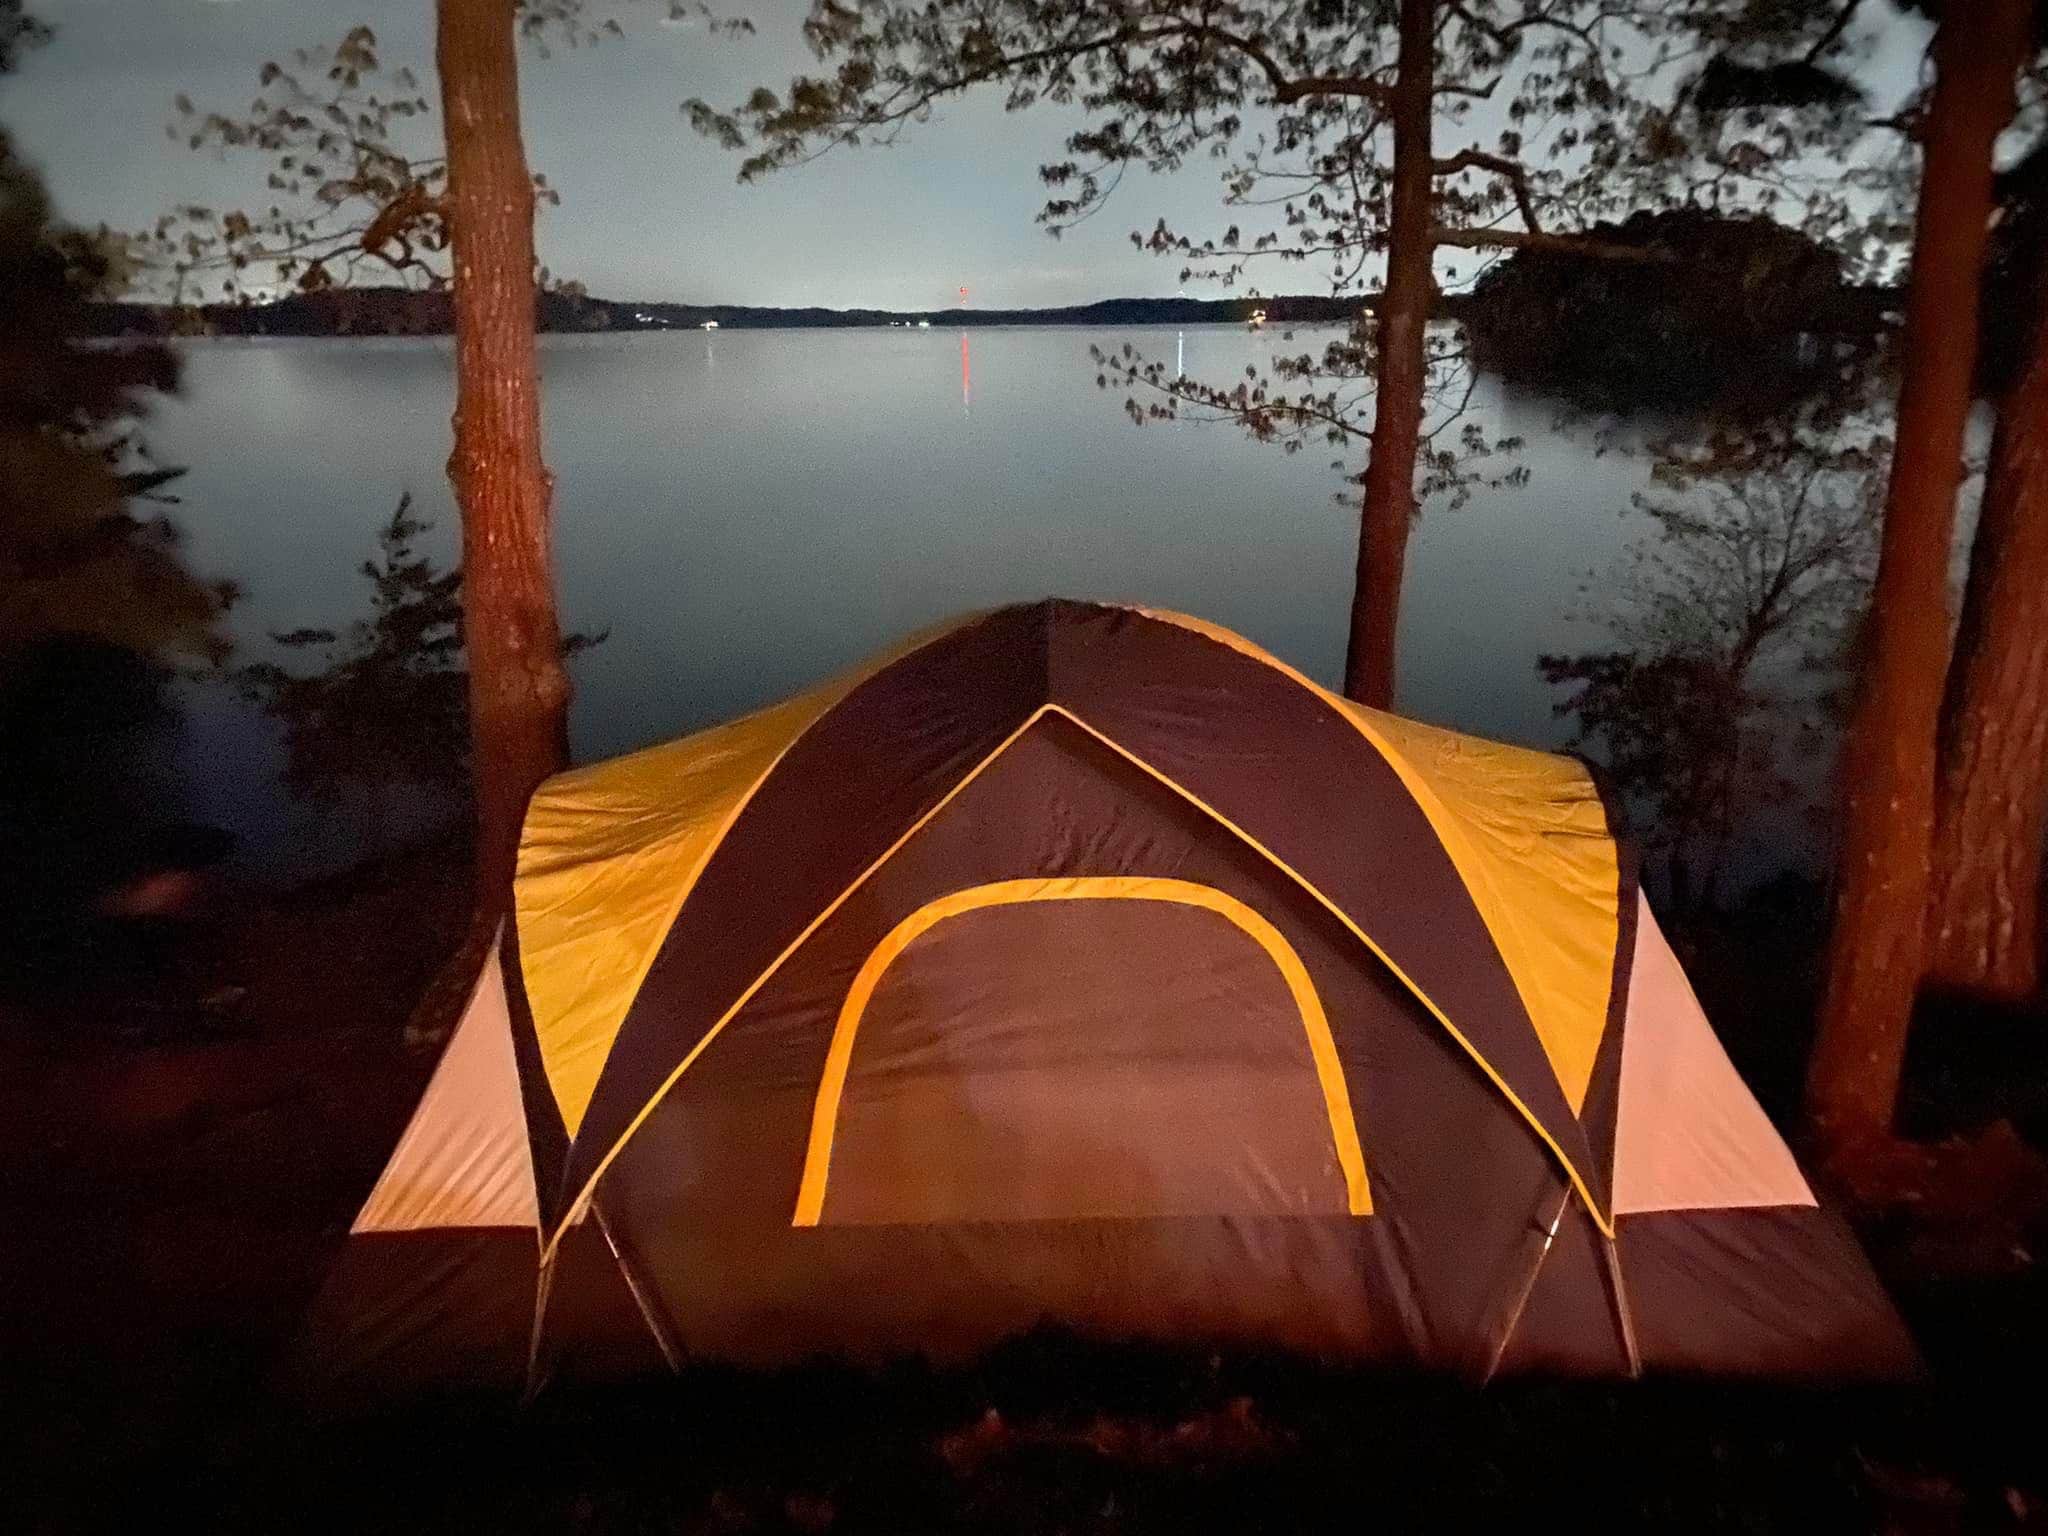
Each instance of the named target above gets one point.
<point>747,511</point>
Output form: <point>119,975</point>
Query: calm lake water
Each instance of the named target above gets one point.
<point>748,511</point>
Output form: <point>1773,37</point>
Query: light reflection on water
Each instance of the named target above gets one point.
<point>748,511</point>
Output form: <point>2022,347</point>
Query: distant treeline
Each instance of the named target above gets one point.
<point>403,312</point>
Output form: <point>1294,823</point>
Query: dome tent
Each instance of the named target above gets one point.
<point>1087,965</point>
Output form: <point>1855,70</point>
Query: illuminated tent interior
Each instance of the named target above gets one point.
<point>1086,966</point>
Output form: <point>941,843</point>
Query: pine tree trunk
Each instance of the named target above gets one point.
<point>518,690</point>
<point>1388,510</point>
<point>1984,919</point>
<point>1877,949</point>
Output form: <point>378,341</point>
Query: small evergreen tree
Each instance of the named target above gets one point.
<point>386,705</point>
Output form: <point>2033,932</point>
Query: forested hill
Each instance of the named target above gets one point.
<point>401,312</point>
<point>1587,296</point>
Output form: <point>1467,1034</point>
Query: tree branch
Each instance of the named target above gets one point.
<point>1834,31</point>
<point>1532,240</point>
<point>1512,171</point>
<point>1502,31</point>
<point>1478,92</point>
<point>910,99</point>
<point>1358,86</point>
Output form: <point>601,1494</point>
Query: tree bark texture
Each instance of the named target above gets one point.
<point>518,689</point>
<point>1387,512</point>
<point>1984,917</point>
<point>1877,949</point>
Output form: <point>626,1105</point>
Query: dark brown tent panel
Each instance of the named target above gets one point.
<point>1087,965</point>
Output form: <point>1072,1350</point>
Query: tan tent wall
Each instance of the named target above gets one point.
<point>453,1309</point>
<point>432,1309</point>
<point>464,1159</point>
<point>1689,1134</point>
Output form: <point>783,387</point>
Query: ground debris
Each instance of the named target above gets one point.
<point>219,1173</point>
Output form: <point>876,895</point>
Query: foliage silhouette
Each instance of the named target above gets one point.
<point>387,703</point>
<point>1752,319</point>
<point>97,605</point>
<point>355,168</point>
<point>1736,617</point>
<point>78,556</point>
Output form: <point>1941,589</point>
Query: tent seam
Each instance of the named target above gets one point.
<point>859,678</point>
<point>1623,1312</point>
<point>583,1195</point>
<point>1446,824</point>
<point>1571,1169</point>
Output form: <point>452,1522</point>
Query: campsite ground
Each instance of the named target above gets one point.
<point>188,1169</point>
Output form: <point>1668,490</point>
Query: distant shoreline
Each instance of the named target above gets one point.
<point>374,312</point>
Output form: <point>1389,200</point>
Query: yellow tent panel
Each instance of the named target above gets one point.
<point>608,855</point>
<point>1528,836</point>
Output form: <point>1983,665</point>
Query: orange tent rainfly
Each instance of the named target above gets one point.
<point>1088,966</point>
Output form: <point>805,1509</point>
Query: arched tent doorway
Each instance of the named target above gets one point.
<point>1086,1047</point>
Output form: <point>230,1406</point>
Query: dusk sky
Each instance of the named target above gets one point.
<point>649,209</point>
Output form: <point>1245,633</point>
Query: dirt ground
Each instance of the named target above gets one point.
<point>185,1170</point>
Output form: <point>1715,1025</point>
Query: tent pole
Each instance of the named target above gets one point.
<point>1621,1308</point>
<point>542,1285</point>
<point>1514,1321</point>
<point>668,1350</point>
